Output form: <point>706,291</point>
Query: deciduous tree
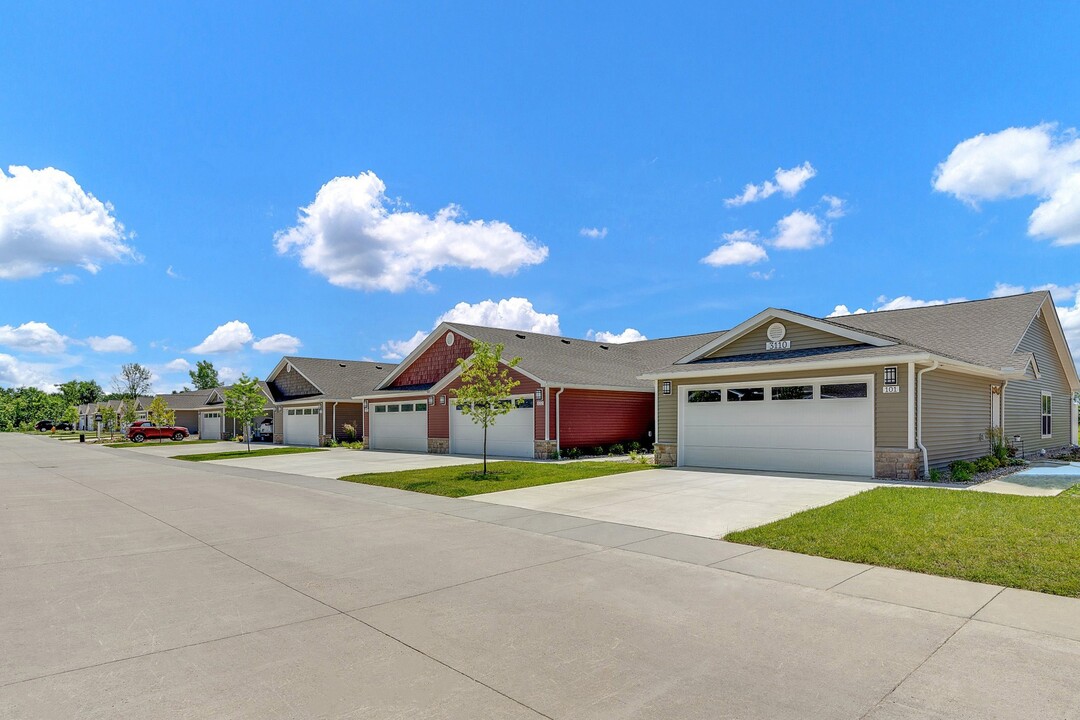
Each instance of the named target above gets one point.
<point>486,384</point>
<point>204,376</point>
<point>245,401</point>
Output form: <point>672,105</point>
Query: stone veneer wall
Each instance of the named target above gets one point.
<point>664,454</point>
<point>439,446</point>
<point>897,463</point>
<point>544,449</point>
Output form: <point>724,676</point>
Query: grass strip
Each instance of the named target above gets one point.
<point>234,454</point>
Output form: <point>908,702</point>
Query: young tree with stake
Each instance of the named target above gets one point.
<point>486,385</point>
<point>161,414</point>
<point>245,401</point>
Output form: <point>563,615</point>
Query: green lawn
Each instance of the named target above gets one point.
<point>231,454</point>
<point>462,480</point>
<point>1023,542</point>
<point>154,442</point>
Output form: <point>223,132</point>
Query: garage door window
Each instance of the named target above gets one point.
<point>406,407</point>
<point>393,408</point>
<point>421,407</point>
<point>702,396</point>
<point>746,394</point>
<point>843,391</point>
<point>793,392</point>
<point>380,408</point>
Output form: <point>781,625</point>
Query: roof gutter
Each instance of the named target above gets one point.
<point>918,438</point>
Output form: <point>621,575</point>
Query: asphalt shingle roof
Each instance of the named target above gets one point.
<point>571,361</point>
<point>339,379</point>
<point>187,399</point>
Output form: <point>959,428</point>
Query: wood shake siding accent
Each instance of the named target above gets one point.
<point>1023,398</point>
<point>890,411</point>
<point>435,362</point>
<point>801,337</point>
<point>956,410</point>
<point>597,417</point>
<point>290,383</point>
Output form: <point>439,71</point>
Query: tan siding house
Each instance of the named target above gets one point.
<point>1023,400</point>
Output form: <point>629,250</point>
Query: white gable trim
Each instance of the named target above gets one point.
<point>1048,310</point>
<point>768,314</point>
<point>450,376</point>
<point>420,350</point>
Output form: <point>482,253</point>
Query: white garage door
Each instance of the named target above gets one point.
<point>824,426</point>
<point>398,426</point>
<point>211,426</point>
<point>301,426</point>
<point>510,436</point>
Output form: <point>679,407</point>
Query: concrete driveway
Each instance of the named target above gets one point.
<point>136,587</point>
<point>338,462</point>
<point>708,503</point>
<point>168,448</point>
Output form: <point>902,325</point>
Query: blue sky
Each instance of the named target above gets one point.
<point>572,164</point>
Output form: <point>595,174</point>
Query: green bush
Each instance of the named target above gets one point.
<point>617,449</point>
<point>962,470</point>
<point>634,446</point>
<point>986,464</point>
<point>572,453</point>
<point>350,432</point>
<point>598,450</point>
<point>935,475</point>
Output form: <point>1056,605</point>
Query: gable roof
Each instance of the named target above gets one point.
<point>568,362</point>
<point>186,399</point>
<point>335,379</point>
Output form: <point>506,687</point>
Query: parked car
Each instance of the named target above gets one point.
<point>46,425</point>
<point>146,430</point>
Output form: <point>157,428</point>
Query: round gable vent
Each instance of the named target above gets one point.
<point>449,338</point>
<point>776,332</point>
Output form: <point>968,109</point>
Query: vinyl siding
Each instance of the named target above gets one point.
<point>801,337</point>
<point>890,411</point>
<point>1023,398</point>
<point>956,415</point>
<point>347,413</point>
<point>597,417</point>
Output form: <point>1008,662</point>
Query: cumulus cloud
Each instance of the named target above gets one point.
<point>789,182</point>
<point>278,343</point>
<point>16,373</point>
<point>35,337</point>
<point>758,275</point>
<point>111,344</point>
<point>230,337</point>
<point>67,279</point>
<point>800,231</point>
<point>740,248</point>
<point>836,207</point>
<point>173,274</point>
<point>357,237</point>
<point>48,221</point>
<point>594,233</point>
<point>228,375</point>
<point>628,335</point>
<point>841,310</point>
<point>1061,293</point>
<point>1038,162</point>
<point>901,302</point>
<point>512,313</point>
<point>178,365</point>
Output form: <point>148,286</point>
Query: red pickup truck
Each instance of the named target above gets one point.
<point>144,429</point>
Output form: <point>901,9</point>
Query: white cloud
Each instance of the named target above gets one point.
<point>738,249</point>
<point>758,275</point>
<point>512,313</point>
<point>112,343</point>
<point>228,375</point>
<point>837,208</point>
<point>594,233</point>
<point>357,237</point>
<point>399,349</point>
<point>1063,295</point>
<point>178,365</point>
<point>278,343</point>
<point>1002,289</point>
<point>1017,162</point>
<point>16,373</point>
<point>230,337</point>
<point>903,302</point>
<point>789,182</point>
<point>841,310</point>
<point>626,336</point>
<point>1070,324</point>
<point>173,274</point>
<point>35,337</point>
<point>800,231</point>
<point>67,279</point>
<point>47,221</point>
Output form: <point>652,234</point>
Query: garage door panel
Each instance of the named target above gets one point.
<point>301,426</point>
<point>406,431</point>
<point>833,436</point>
<point>510,436</point>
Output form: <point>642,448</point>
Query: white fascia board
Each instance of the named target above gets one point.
<point>776,313</point>
<point>277,368</point>
<point>819,364</point>
<point>420,350</point>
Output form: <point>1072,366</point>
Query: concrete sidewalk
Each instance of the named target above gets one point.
<point>137,587</point>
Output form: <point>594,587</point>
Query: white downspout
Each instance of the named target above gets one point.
<point>1002,411</point>
<point>558,424</point>
<point>918,440</point>
<point>333,423</point>
<point>547,414</point>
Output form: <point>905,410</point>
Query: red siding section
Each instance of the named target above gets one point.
<point>435,362</point>
<point>602,417</point>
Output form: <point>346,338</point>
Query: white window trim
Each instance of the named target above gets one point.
<point>1043,414</point>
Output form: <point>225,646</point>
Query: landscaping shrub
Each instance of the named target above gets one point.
<point>935,475</point>
<point>572,453</point>
<point>986,464</point>
<point>634,446</point>
<point>350,432</point>
<point>617,449</point>
<point>598,450</point>
<point>962,470</point>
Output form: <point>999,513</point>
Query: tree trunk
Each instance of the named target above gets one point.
<point>485,450</point>
<point>249,437</point>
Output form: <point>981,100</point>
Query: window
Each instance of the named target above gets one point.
<point>420,407</point>
<point>701,396</point>
<point>523,403</point>
<point>843,391</point>
<point>745,394</point>
<point>406,407</point>
<point>442,399</point>
<point>793,392</point>
<point>291,412</point>
<point>666,387</point>
<point>378,408</point>
<point>890,375</point>
<point>393,408</point>
<point>1047,414</point>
